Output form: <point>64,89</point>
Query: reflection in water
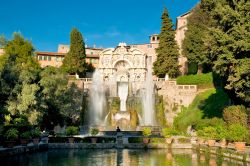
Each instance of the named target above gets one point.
<point>113,157</point>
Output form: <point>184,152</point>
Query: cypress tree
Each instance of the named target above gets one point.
<point>167,52</point>
<point>74,61</point>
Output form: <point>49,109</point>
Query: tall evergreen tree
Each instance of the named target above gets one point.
<point>193,44</point>
<point>74,61</point>
<point>167,52</point>
<point>228,45</point>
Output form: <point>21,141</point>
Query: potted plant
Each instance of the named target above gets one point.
<point>238,134</point>
<point>25,137</point>
<point>208,133</point>
<point>146,133</point>
<point>168,133</point>
<point>70,131</point>
<point>222,135</point>
<point>94,132</point>
<point>35,135</point>
<point>11,136</point>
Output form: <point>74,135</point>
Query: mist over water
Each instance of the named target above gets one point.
<point>98,101</point>
<point>148,99</point>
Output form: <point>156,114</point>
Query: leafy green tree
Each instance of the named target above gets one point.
<point>167,52</point>
<point>74,61</point>
<point>193,43</point>
<point>18,79</point>
<point>60,99</point>
<point>228,45</point>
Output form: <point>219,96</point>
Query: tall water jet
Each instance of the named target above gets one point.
<point>148,99</point>
<point>98,100</point>
<point>123,94</point>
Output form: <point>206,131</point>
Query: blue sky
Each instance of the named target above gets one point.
<point>104,23</point>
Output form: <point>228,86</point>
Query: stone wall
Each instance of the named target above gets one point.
<point>175,96</point>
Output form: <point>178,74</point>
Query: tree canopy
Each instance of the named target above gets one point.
<point>198,23</point>
<point>167,52</point>
<point>228,45</point>
<point>74,61</point>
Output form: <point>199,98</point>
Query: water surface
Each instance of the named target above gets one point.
<point>113,157</point>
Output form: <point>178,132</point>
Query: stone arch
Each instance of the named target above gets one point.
<point>120,60</point>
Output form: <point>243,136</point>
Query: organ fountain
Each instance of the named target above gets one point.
<point>122,92</point>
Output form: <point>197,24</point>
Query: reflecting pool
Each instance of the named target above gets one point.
<point>123,157</point>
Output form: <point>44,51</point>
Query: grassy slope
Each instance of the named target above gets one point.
<point>207,104</point>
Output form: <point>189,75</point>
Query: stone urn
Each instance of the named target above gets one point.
<point>168,140</point>
<point>240,146</point>
<point>71,140</point>
<point>146,140</point>
<point>211,142</point>
<point>93,140</point>
<point>24,141</point>
<point>35,141</point>
<point>223,143</point>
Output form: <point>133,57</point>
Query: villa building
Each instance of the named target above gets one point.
<point>55,58</point>
<point>93,54</point>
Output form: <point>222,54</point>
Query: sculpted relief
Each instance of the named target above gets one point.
<point>129,64</point>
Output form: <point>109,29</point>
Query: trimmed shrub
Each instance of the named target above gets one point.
<point>26,135</point>
<point>168,132</point>
<point>237,133</point>
<point>94,131</point>
<point>208,133</point>
<point>202,80</point>
<point>72,130</point>
<point>11,134</point>
<point>35,133</point>
<point>146,131</point>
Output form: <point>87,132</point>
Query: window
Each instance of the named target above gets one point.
<point>49,58</point>
<point>40,58</point>
<point>149,46</point>
<point>153,38</point>
<point>91,53</point>
<point>158,38</point>
<point>45,58</point>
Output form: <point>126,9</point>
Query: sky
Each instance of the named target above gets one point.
<point>103,23</point>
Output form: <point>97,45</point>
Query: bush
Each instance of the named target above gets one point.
<point>168,132</point>
<point>11,134</point>
<point>237,133</point>
<point>157,140</point>
<point>209,122</point>
<point>146,131</point>
<point>184,140</point>
<point>94,131</point>
<point>35,133</point>
<point>26,135</point>
<point>72,130</point>
<point>235,114</point>
<point>208,133</point>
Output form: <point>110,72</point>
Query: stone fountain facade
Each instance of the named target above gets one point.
<point>123,65</point>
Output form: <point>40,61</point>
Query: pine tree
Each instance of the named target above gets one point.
<point>167,52</point>
<point>74,61</point>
